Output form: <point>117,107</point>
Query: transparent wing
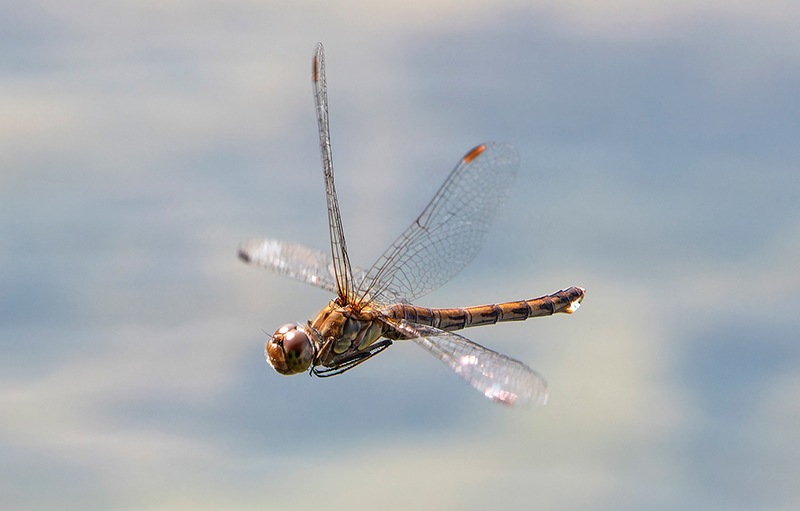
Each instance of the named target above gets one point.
<point>450,230</point>
<point>341,261</point>
<point>296,261</point>
<point>495,375</point>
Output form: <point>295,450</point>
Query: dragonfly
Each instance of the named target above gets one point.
<point>373,308</point>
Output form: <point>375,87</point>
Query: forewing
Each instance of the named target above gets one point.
<point>341,261</point>
<point>450,230</point>
<point>296,261</point>
<point>495,375</point>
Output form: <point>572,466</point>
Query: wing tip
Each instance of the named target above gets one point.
<point>244,255</point>
<point>474,153</point>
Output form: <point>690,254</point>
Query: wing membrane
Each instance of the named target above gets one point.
<point>341,261</point>
<point>493,374</point>
<point>296,261</point>
<point>450,230</point>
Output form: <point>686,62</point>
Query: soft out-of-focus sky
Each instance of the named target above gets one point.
<point>140,142</point>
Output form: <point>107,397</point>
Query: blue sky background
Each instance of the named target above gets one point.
<point>141,142</point>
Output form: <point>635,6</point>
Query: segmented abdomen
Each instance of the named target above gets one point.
<point>564,301</point>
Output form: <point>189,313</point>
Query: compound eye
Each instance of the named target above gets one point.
<point>289,350</point>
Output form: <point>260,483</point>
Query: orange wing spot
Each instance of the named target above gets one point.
<point>474,153</point>
<point>315,70</point>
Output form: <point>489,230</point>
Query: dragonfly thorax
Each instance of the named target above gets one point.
<point>344,330</point>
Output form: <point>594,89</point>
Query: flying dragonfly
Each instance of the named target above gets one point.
<point>374,307</point>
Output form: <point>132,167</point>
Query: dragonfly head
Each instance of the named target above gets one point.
<point>289,350</point>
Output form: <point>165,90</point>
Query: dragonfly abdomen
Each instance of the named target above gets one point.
<point>564,301</point>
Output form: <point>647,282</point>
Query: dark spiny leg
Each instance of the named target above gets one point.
<point>342,364</point>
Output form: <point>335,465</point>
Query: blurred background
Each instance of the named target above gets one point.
<point>141,142</point>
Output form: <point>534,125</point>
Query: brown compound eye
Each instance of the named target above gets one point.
<point>289,350</point>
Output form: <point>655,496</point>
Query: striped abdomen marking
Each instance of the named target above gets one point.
<point>564,301</point>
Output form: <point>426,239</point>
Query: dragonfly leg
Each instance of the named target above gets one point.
<point>349,361</point>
